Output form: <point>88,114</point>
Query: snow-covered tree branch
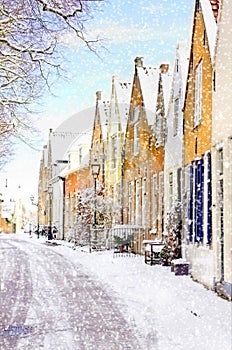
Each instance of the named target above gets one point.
<point>30,39</point>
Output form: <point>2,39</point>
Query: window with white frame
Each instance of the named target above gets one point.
<point>170,189</point>
<point>136,139</point>
<point>129,202</point>
<point>80,155</point>
<point>144,202</point>
<point>136,114</point>
<point>138,202</point>
<point>220,192</point>
<point>155,198</point>
<point>220,162</point>
<point>161,201</point>
<point>114,151</point>
<point>198,95</point>
<point>176,116</point>
<point>159,127</point>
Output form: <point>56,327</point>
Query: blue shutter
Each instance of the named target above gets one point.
<point>200,197</point>
<point>209,199</point>
<point>190,205</point>
<point>195,200</point>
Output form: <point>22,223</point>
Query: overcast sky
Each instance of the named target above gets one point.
<point>128,29</point>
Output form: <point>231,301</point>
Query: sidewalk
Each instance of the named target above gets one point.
<point>170,312</point>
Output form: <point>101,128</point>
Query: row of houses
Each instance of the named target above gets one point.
<point>162,140</point>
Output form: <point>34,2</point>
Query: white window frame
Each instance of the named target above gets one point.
<point>136,139</point>
<point>144,201</point>
<point>171,189</point>
<point>176,115</point>
<point>138,202</point>
<point>198,95</point>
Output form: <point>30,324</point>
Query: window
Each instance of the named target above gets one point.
<point>220,162</point>
<point>189,199</point>
<point>199,181</point>
<point>161,201</point>
<point>138,202</point>
<point>155,198</point>
<point>159,127</point>
<point>204,39</point>
<point>114,152</point>
<point>129,202</point>
<point>176,116</point>
<point>177,65</point>
<point>80,155</point>
<point>170,190</point>
<point>179,178</point>
<point>214,81</point>
<point>207,199</point>
<point>144,201</point>
<point>220,209</point>
<point>198,95</point>
<point>136,113</point>
<point>136,139</point>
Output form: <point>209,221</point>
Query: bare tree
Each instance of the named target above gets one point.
<point>30,37</point>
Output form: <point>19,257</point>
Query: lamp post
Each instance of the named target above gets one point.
<point>95,172</point>
<point>63,204</point>
<point>37,204</point>
<point>50,190</point>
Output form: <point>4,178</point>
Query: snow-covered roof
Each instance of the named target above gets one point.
<point>81,144</point>
<point>149,80</point>
<point>183,54</point>
<point>119,105</point>
<point>123,95</point>
<point>104,131</point>
<point>104,107</point>
<point>83,139</point>
<point>210,25</point>
<point>74,126</point>
<point>167,85</point>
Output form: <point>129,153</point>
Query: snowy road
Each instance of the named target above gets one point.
<point>48,302</point>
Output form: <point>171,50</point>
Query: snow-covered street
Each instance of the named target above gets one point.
<point>164,311</point>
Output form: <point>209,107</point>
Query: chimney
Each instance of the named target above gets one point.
<point>215,8</point>
<point>164,68</point>
<point>138,62</point>
<point>98,95</point>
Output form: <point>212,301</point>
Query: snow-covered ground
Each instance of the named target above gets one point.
<point>169,312</point>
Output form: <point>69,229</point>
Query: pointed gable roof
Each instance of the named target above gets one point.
<point>210,24</point>
<point>119,105</point>
<point>149,81</point>
<point>97,127</point>
<point>210,10</point>
<point>167,85</point>
<point>183,54</point>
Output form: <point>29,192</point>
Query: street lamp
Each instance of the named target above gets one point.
<point>95,172</point>
<point>37,204</point>
<point>50,190</point>
<point>63,205</point>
